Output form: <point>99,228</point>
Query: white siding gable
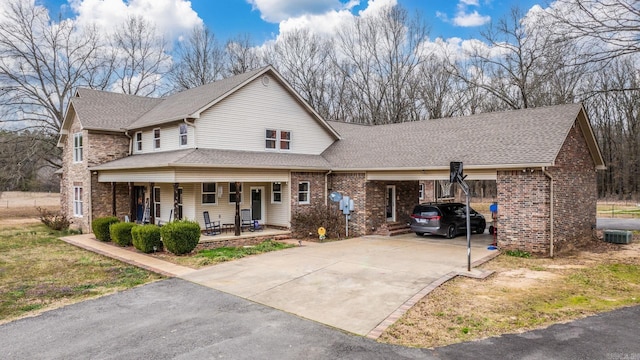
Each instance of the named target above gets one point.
<point>240,121</point>
<point>169,139</point>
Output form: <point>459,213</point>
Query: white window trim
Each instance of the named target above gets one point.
<point>137,144</point>
<point>78,152</point>
<point>185,135</point>
<point>278,139</point>
<point>157,204</point>
<point>241,189</point>
<point>421,191</point>
<point>78,211</point>
<point>308,192</point>
<point>214,193</point>
<point>273,201</point>
<point>157,143</point>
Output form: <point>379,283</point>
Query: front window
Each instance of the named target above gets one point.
<point>156,201</point>
<point>77,147</point>
<point>183,134</point>
<point>156,138</point>
<point>139,141</point>
<point>77,201</point>
<point>303,192</point>
<point>276,192</point>
<point>421,191</point>
<point>179,214</point>
<point>209,193</point>
<point>233,191</point>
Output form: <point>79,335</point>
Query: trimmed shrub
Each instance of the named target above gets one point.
<point>100,227</point>
<point>145,237</point>
<point>180,237</point>
<point>121,233</point>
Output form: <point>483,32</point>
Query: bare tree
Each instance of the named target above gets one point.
<point>304,59</point>
<point>379,57</point>
<point>607,28</point>
<point>200,60</point>
<point>517,64</point>
<point>242,55</point>
<point>141,59</point>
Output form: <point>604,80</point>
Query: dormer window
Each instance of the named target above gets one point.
<point>156,139</point>
<point>277,139</point>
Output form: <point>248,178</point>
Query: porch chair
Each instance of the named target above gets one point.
<point>246,220</point>
<point>211,227</point>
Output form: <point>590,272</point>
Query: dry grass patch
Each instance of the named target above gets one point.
<point>39,272</point>
<point>523,294</point>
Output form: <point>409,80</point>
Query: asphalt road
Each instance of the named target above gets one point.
<point>176,319</point>
<point>618,224</point>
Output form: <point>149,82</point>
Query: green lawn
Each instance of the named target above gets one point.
<point>39,272</point>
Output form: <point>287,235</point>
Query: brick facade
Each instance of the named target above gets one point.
<point>524,198</point>
<point>97,148</point>
<point>352,185</point>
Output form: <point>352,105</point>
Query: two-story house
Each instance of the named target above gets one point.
<point>253,135</point>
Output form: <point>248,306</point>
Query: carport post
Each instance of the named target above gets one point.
<point>465,188</point>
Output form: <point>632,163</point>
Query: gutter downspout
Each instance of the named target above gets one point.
<point>126,133</point>
<point>326,188</point>
<point>550,210</point>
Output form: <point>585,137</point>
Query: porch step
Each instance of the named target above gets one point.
<point>398,228</point>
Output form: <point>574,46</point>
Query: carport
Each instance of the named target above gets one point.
<point>544,161</point>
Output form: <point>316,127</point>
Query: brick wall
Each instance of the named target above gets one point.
<point>352,185</point>
<point>98,148</point>
<point>429,190</point>
<point>406,200</point>
<point>524,201</point>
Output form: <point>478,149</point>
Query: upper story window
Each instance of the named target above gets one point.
<point>303,192</point>
<point>156,138</point>
<point>138,141</point>
<point>209,193</point>
<point>183,135</point>
<point>277,139</point>
<point>77,147</point>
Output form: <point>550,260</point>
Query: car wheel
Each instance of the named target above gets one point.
<point>451,232</point>
<point>419,233</point>
<point>480,228</point>
<point>491,229</point>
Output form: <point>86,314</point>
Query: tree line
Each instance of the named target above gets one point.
<point>377,69</point>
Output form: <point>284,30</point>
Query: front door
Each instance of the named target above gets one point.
<point>257,203</point>
<point>390,199</point>
<point>139,200</point>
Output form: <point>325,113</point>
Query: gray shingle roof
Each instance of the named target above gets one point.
<point>102,110</point>
<point>188,102</point>
<point>208,158</point>
<point>522,137</point>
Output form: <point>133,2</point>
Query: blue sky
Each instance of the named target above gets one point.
<point>264,19</point>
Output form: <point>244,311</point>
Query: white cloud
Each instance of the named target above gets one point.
<point>276,11</point>
<point>172,18</point>
<point>464,17</point>
<point>470,19</point>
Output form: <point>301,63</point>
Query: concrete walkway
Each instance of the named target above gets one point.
<point>360,285</point>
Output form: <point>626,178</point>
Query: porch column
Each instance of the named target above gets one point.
<point>237,218</point>
<point>132,203</point>
<point>152,205</point>
<point>175,201</point>
<point>113,199</point>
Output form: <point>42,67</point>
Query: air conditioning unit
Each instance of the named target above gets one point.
<point>617,236</point>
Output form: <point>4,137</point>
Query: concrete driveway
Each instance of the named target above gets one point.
<point>354,284</point>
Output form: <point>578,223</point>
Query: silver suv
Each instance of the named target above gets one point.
<point>446,219</point>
